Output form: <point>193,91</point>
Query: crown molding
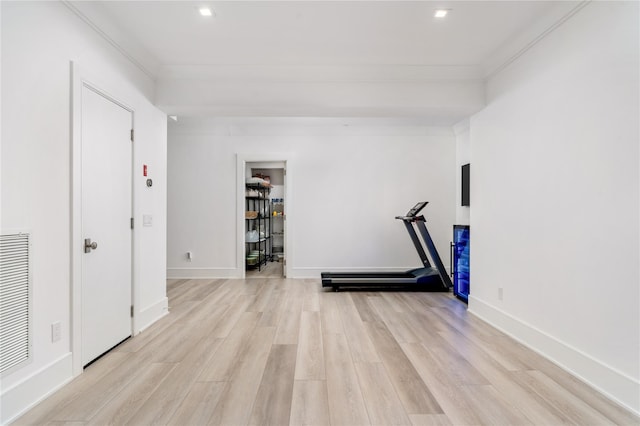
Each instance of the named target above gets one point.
<point>83,12</point>
<point>321,73</point>
<point>560,13</point>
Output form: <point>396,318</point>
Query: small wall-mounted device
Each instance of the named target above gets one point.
<point>189,256</point>
<point>149,183</point>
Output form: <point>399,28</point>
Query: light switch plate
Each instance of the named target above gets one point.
<point>55,331</point>
<point>147,220</point>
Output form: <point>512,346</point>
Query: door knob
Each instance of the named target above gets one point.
<point>88,245</point>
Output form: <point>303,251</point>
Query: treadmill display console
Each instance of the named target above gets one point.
<point>416,209</point>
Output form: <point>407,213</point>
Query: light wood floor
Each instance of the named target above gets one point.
<point>269,270</point>
<point>277,352</point>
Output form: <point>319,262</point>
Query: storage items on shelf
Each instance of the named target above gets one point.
<point>277,207</point>
<point>258,223</point>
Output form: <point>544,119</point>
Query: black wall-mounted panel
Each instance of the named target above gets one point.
<point>466,175</point>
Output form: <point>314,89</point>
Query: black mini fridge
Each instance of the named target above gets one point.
<point>460,262</point>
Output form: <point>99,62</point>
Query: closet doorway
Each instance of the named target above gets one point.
<point>262,228</point>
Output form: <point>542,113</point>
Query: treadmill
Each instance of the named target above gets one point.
<point>427,278</point>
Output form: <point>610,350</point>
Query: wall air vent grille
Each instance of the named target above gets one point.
<point>15,301</point>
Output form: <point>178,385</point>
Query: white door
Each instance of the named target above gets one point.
<point>106,214</point>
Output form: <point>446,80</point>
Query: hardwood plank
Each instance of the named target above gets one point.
<point>62,423</point>
<point>273,401</point>
<point>584,392</point>
<point>273,311</point>
<point>414,394</point>
<point>346,404</point>
<point>233,346</point>
<point>309,403</point>
<point>361,302</point>
<point>124,405</point>
<point>53,408</point>
<point>310,355</point>
<point>362,349</point>
<point>96,394</point>
<point>573,408</point>
<point>165,400</point>
<point>174,287</point>
<point>227,292</point>
<point>208,305</point>
<point>157,329</point>
<point>491,406</point>
<point>397,300</point>
<point>534,408</point>
<point>394,320</point>
<point>238,396</point>
<point>236,310</point>
<point>442,385</point>
<point>382,402</point>
<point>288,328</point>
<point>272,270</point>
<point>461,371</point>
<point>199,404</point>
<point>311,298</point>
<point>170,344</point>
<point>430,420</point>
<point>265,290</point>
<point>426,327</point>
<point>204,289</point>
<point>573,385</point>
<point>181,344</point>
<point>170,338</point>
<point>194,290</point>
<point>187,288</point>
<point>492,341</point>
<point>330,313</point>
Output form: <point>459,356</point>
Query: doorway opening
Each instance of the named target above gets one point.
<point>264,220</point>
<point>265,258</point>
<point>263,213</point>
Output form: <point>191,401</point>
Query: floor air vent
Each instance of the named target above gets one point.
<point>15,301</point>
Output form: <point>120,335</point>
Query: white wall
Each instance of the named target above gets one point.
<point>463,156</point>
<point>350,178</point>
<point>555,199</point>
<point>39,39</point>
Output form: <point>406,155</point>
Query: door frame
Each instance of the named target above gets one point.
<point>241,164</point>
<point>80,78</point>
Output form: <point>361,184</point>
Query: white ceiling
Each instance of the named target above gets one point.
<point>323,58</point>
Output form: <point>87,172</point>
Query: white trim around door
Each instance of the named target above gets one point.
<point>241,161</point>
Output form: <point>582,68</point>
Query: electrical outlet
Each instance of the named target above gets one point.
<point>55,331</point>
<point>189,256</point>
<point>500,293</point>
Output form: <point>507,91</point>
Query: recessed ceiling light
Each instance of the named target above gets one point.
<point>440,13</point>
<point>205,11</point>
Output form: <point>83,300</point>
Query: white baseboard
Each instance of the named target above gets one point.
<point>202,273</point>
<point>615,385</point>
<point>296,272</point>
<point>26,394</point>
<point>151,314</point>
